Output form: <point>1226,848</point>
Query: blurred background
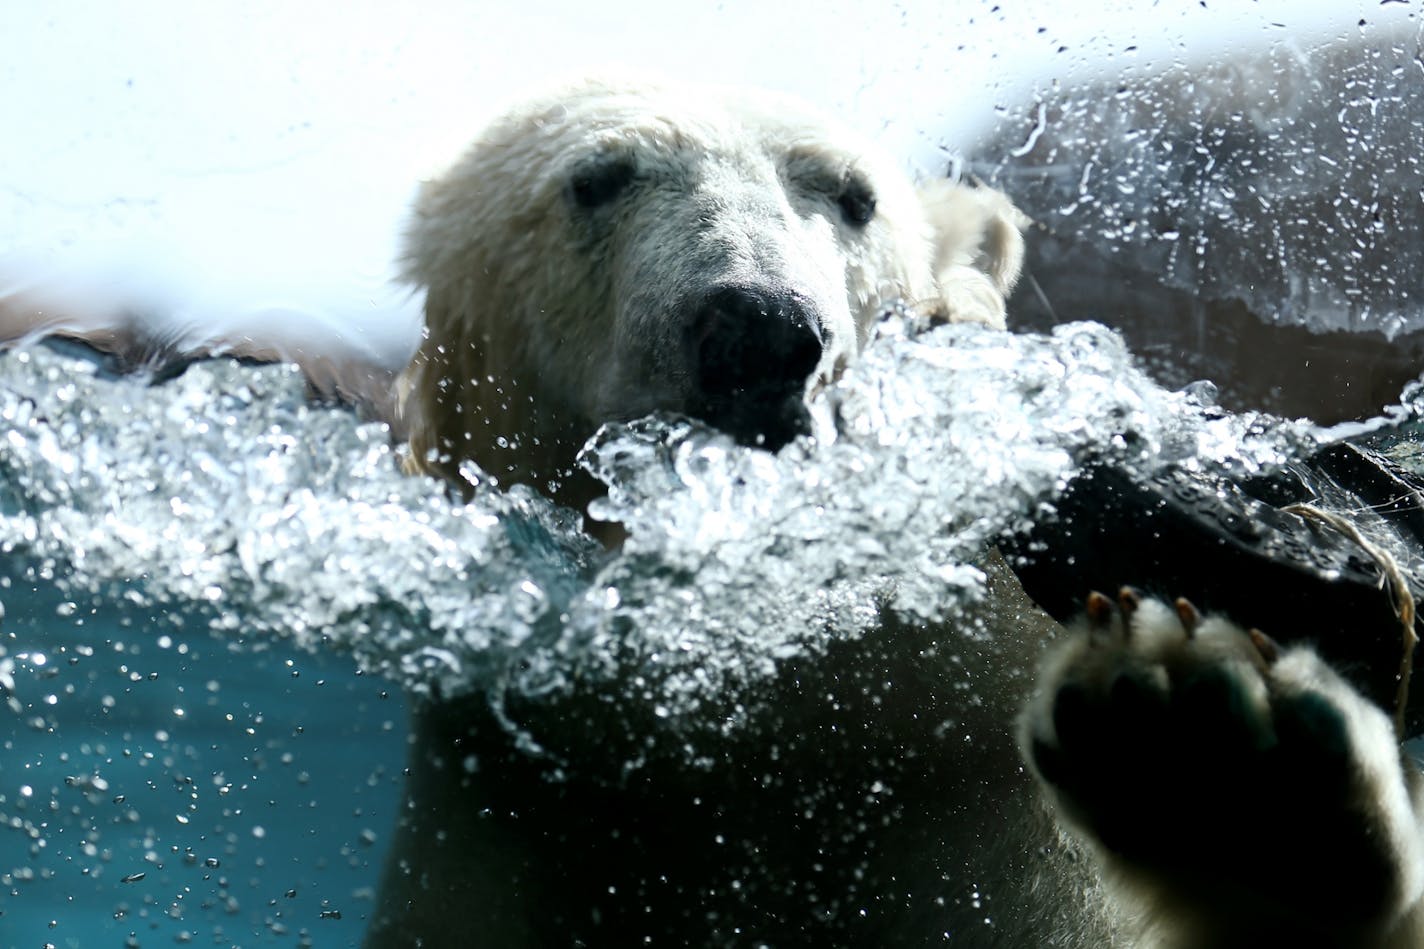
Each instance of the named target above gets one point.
<point>250,165</point>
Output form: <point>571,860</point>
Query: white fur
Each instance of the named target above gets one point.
<point>543,322</point>
<point>1307,811</point>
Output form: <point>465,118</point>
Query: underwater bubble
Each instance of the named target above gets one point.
<point>227,498</point>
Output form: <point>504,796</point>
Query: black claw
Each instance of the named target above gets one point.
<point>1099,609</point>
<point>1129,600</point>
<point>1188,614</point>
<point>1269,649</point>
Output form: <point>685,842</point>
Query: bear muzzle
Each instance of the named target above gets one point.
<point>751,352</point>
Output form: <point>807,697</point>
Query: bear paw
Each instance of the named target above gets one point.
<point>1245,786</point>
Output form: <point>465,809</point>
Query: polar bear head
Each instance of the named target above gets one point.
<point>616,248</point>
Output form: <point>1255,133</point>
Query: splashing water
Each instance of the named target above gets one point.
<point>225,494</point>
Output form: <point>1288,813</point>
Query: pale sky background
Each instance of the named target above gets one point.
<point>253,161</point>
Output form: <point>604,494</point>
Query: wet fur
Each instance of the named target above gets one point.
<point>543,321</point>
<point>1235,794</point>
<point>873,795</point>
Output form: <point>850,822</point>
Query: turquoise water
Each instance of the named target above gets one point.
<point>163,786</point>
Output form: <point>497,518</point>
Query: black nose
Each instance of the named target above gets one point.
<point>751,353</point>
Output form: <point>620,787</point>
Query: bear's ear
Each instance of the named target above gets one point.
<point>978,250</point>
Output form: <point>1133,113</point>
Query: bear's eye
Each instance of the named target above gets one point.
<point>598,182</point>
<point>857,201</point>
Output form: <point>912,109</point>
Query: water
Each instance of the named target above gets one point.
<point>226,492</point>
<point>1218,207</point>
<point>216,594</point>
<point>219,598</point>
<point>164,787</point>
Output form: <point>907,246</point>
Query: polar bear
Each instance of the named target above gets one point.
<point>613,248</point>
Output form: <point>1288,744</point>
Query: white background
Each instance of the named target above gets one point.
<point>252,162</point>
